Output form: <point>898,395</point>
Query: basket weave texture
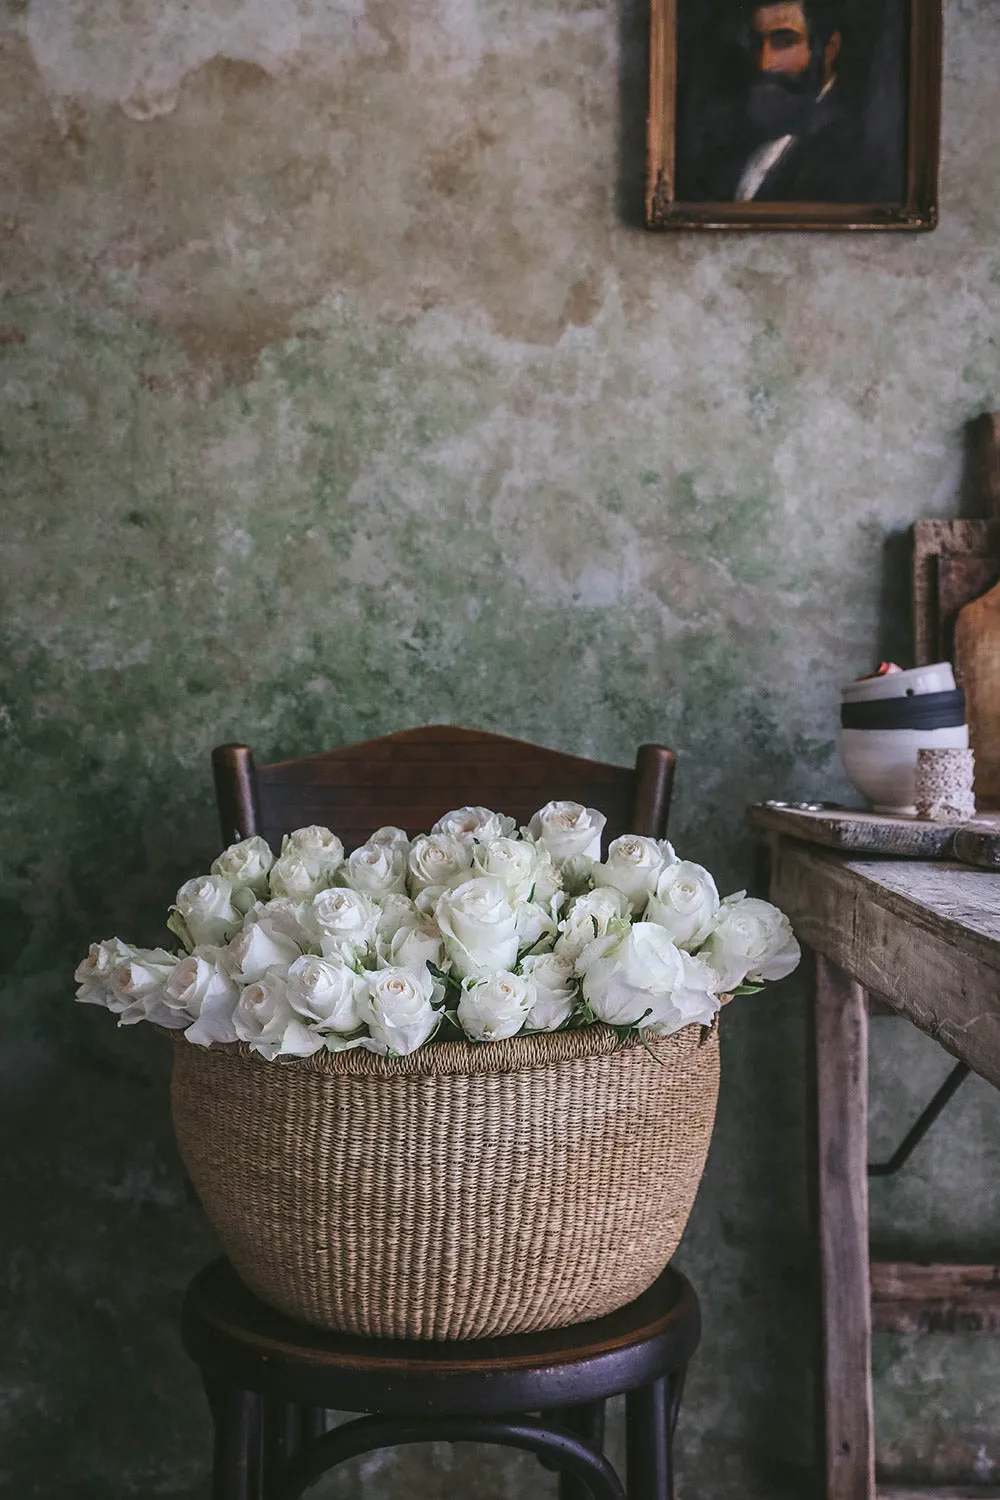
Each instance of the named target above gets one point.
<point>459,1193</point>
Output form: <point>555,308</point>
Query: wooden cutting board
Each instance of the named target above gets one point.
<point>946,577</point>
<point>959,581</point>
<point>848,828</point>
<point>955,562</point>
<point>977,660</point>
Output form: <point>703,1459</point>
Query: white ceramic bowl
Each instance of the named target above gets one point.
<point>882,763</point>
<point>938,678</point>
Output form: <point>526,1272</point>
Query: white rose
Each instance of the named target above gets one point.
<point>397,1008</point>
<point>535,926</point>
<point>684,903</point>
<point>425,901</point>
<point>568,829</point>
<point>629,980</point>
<point>415,947</point>
<point>333,1041</point>
<point>137,987</point>
<point>259,947</point>
<point>285,916</point>
<point>376,870</point>
<point>298,875</point>
<point>309,861</point>
<point>694,1001</point>
<point>246,865</point>
<point>391,837</point>
<point>494,1008</point>
<point>438,859</point>
<point>753,941</point>
<point>395,912</point>
<point>479,927</point>
<point>326,992</point>
<point>555,990</point>
<point>93,975</point>
<point>634,865</point>
<point>579,873</point>
<point>589,917</point>
<point>468,823</point>
<point>316,843</point>
<point>524,867</point>
<point>204,913</point>
<point>215,1024</point>
<point>343,922</point>
<point>264,1019</point>
<point>201,989</point>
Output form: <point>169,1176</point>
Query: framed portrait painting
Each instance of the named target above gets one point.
<point>794,114</point>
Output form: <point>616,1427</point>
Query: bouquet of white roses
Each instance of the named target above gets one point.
<point>476,930</point>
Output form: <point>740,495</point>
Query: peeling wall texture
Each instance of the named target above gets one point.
<point>340,391</point>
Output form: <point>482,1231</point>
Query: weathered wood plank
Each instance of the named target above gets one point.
<point>960,905</point>
<point>924,938</point>
<point>936,1492</point>
<point>861,832</point>
<point>842,1142</point>
<point>908,1297</point>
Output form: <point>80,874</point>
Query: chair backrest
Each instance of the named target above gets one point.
<point>413,777</point>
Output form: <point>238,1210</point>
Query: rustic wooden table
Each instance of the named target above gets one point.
<point>924,939</point>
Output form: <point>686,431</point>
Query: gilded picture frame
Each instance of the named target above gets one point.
<point>794,114</point>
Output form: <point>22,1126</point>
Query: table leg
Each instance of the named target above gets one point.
<point>841,1043</point>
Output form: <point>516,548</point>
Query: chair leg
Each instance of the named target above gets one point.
<point>314,1422</point>
<point>237,1468</point>
<point>587,1422</point>
<point>288,1427</point>
<point>649,1442</point>
<point>282,1436</point>
<point>676,1395</point>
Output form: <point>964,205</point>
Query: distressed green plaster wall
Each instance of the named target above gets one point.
<point>339,391</point>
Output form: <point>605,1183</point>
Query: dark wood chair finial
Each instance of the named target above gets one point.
<point>654,782</point>
<point>236,792</point>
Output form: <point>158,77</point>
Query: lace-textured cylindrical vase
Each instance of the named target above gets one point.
<point>943,785</point>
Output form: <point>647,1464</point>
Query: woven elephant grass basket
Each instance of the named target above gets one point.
<point>459,1193</point>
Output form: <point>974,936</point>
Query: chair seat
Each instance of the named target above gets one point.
<point>236,1338</point>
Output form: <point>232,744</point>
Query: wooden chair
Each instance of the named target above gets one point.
<point>270,1381</point>
<point>412,777</point>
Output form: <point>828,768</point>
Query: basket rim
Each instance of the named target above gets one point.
<point>514,1055</point>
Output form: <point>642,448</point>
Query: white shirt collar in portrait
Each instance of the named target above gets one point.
<point>766,157</point>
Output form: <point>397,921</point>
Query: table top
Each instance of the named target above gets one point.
<point>922,936</point>
<point>960,903</point>
<point>852,830</point>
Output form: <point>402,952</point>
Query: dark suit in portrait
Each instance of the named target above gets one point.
<point>792,101</point>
